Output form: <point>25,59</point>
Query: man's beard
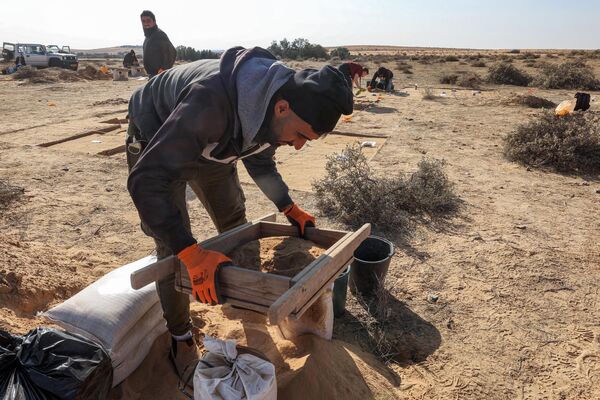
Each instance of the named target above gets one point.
<point>269,136</point>
<point>149,31</point>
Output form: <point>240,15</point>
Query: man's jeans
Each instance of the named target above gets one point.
<point>218,189</point>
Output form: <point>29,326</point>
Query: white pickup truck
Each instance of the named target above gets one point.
<point>38,55</point>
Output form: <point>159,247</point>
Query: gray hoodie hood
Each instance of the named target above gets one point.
<point>257,81</point>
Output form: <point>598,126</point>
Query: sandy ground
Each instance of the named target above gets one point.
<point>515,271</point>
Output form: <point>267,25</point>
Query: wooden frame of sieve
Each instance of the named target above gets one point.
<point>277,296</point>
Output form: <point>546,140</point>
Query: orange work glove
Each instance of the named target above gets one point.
<point>299,217</point>
<point>202,266</point>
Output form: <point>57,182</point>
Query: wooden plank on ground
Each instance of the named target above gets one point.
<point>312,283</point>
<point>354,134</point>
<point>100,131</point>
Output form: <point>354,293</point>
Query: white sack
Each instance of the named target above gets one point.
<point>233,376</point>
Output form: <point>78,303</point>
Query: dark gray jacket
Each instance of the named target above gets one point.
<point>158,51</point>
<point>190,115</point>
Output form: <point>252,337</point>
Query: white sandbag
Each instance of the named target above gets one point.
<point>129,353</point>
<point>106,310</point>
<point>222,374</point>
<point>317,320</point>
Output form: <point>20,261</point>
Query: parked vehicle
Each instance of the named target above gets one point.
<point>40,56</point>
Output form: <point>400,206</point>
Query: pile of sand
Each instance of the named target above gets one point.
<point>306,368</point>
<point>278,255</point>
<point>32,75</point>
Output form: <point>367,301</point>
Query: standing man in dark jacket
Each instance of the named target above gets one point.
<point>159,53</point>
<point>189,126</point>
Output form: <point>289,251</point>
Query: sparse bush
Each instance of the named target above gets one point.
<point>451,58</point>
<point>570,143</point>
<point>568,75</point>
<point>469,80</point>
<point>341,52</point>
<point>478,64</point>
<point>351,193</point>
<point>515,51</point>
<point>449,79</point>
<point>507,74</point>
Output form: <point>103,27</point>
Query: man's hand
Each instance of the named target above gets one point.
<point>202,266</point>
<point>299,217</point>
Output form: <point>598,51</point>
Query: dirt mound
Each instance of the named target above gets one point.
<point>111,102</point>
<point>32,75</point>
<point>91,73</point>
<point>32,276</point>
<point>278,255</point>
<point>529,101</point>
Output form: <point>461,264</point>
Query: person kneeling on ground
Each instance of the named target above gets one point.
<point>130,60</point>
<point>353,73</point>
<point>189,126</point>
<point>385,76</point>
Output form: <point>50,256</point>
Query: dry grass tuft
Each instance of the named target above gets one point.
<point>352,194</point>
<point>568,144</point>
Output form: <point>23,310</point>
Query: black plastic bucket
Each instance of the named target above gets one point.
<point>371,262</point>
<point>340,291</point>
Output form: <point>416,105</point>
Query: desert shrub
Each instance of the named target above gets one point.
<point>341,52</point>
<point>515,51</point>
<point>449,79</point>
<point>568,75</point>
<point>570,143</point>
<point>9,193</point>
<point>507,74</point>
<point>469,80</point>
<point>351,192</point>
<point>451,58</point>
<point>550,55</point>
<point>478,64</point>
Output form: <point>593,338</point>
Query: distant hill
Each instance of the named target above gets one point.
<point>111,51</point>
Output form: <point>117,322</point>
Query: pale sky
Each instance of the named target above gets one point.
<point>221,24</point>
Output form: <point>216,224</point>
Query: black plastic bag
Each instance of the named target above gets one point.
<point>47,364</point>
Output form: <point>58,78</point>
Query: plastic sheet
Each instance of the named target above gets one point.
<point>47,364</point>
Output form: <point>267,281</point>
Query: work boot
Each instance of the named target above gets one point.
<point>184,356</point>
